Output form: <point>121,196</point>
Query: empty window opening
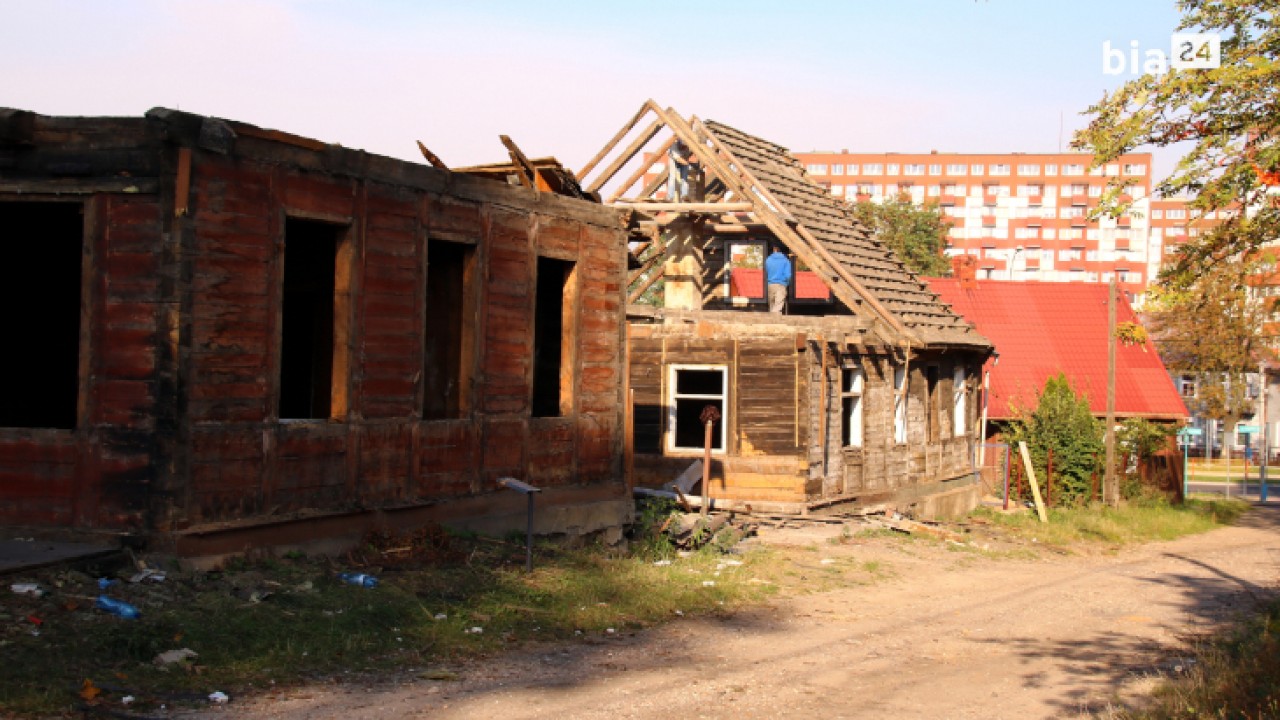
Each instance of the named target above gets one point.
<point>553,341</point>
<point>310,348</point>
<point>693,388</point>
<point>933,402</point>
<point>900,405</point>
<point>448,332</point>
<point>851,411</point>
<point>40,283</point>
<point>960,403</point>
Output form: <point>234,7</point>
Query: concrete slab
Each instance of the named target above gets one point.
<point>21,554</point>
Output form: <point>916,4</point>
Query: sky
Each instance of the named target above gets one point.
<point>561,77</point>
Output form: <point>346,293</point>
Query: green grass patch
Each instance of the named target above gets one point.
<point>289,620</point>
<point>1133,522</point>
<point>1234,675</point>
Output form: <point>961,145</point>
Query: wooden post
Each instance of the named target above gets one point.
<point>709,417</point>
<point>1110,488</point>
<point>1031,478</point>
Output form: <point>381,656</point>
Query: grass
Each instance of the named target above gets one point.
<point>280,621</point>
<point>1236,675</point>
<point>1133,522</point>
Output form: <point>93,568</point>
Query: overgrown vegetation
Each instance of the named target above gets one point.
<point>1132,522</point>
<point>1236,675</point>
<point>917,234</point>
<point>1062,424</point>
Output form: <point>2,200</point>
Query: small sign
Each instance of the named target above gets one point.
<point>1190,432</point>
<point>1247,429</point>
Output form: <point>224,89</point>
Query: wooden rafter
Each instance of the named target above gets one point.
<point>613,142</point>
<point>431,157</point>
<point>625,156</point>
<point>771,214</point>
<point>639,173</point>
<point>528,173</point>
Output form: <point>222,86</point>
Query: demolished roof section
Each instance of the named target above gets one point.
<point>753,182</point>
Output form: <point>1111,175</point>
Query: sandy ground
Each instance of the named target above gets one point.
<point>944,634</point>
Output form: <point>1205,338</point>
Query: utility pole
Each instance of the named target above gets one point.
<point>1110,488</point>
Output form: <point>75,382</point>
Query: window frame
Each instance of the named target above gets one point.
<point>669,431</point>
<point>852,390</point>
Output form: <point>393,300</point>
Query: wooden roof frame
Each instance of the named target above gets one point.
<point>745,194</point>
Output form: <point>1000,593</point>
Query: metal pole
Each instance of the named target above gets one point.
<point>1006,477</point>
<point>1265,435</point>
<point>528,537</point>
<point>1186,459</point>
<point>1110,488</point>
<point>710,414</point>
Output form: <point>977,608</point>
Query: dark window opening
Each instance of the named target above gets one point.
<point>449,327</point>
<point>307,311</point>
<point>40,281</point>
<point>694,390</point>
<point>553,343</point>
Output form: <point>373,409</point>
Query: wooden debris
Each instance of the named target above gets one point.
<point>431,157</point>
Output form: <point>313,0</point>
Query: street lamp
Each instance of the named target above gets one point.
<point>1013,259</point>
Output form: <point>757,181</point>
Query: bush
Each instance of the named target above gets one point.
<point>1062,423</point>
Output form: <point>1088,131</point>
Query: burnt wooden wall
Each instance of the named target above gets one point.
<point>180,351</point>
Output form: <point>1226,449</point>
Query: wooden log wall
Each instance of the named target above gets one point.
<point>785,439</point>
<point>383,453</point>
<point>179,422</point>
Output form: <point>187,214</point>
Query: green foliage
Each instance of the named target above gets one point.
<point>1062,423</point>
<point>1209,326</point>
<point>1142,438</point>
<point>649,538</point>
<point>916,234</point>
<point>1226,118</point>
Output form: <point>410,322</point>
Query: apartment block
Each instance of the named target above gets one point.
<point>1023,215</point>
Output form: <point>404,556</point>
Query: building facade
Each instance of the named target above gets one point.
<point>1024,216</point>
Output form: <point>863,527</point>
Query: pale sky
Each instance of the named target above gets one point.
<point>561,77</point>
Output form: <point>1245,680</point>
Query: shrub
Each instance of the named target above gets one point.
<point>1062,422</point>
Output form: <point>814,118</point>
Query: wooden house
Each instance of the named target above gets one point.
<point>221,336</point>
<point>862,392</point>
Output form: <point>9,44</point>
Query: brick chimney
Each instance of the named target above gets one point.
<point>965,269</point>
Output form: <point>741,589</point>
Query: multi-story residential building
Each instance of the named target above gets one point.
<point>1023,215</point>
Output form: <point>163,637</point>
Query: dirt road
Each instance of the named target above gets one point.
<point>945,635</point>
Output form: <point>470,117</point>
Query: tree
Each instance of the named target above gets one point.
<point>1062,423</point>
<point>916,234</point>
<point>1211,327</point>
<point>1225,115</point>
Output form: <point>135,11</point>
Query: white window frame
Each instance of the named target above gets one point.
<point>959,402</point>
<point>670,440</point>
<point>852,385</point>
<point>900,405</point>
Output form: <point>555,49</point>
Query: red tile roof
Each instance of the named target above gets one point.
<point>1040,329</point>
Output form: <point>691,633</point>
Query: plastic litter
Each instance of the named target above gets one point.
<point>219,697</point>
<point>361,579</point>
<point>147,574</point>
<point>104,583</point>
<point>170,657</point>
<point>26,589</point>
<point>117,607</point>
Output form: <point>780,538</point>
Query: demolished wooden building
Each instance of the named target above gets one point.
<point>220,336</point>
<point>863,392</point>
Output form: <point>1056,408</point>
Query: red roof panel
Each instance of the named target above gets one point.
<point>1041,329</point>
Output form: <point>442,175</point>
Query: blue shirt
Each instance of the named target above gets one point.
<point>777,269</point>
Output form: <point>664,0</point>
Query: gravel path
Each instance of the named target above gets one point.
<point>946,635</point>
